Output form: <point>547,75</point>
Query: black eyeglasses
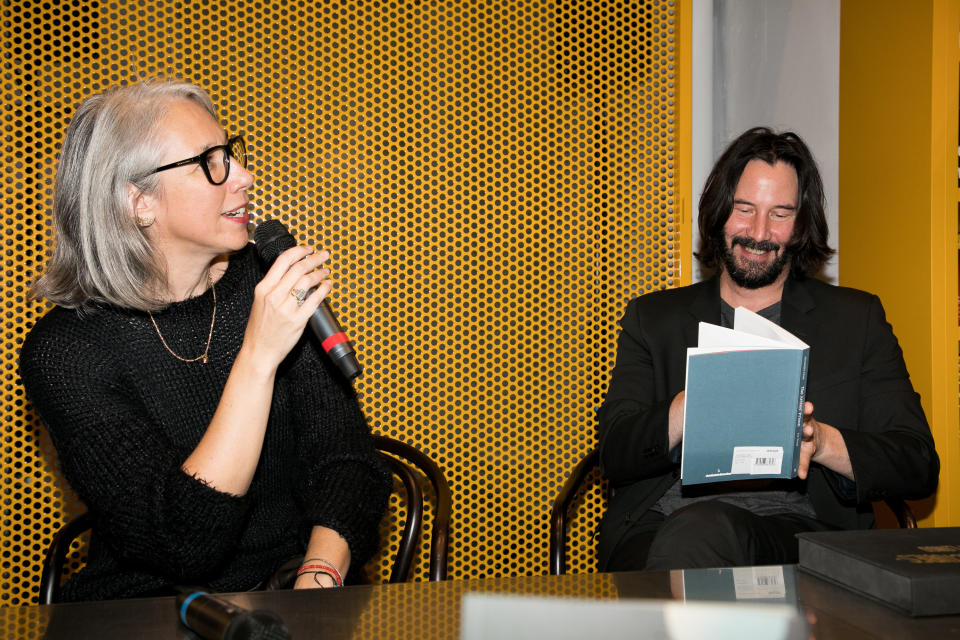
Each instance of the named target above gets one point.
<point>215,160</point>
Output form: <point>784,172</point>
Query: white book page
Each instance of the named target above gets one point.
<point>750,322</point>
<point>711,335</point>
<point>699,351</point>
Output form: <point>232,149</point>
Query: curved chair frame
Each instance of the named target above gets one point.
<point>559,514</point>
<point>413,523</point>
<point>410,535</point>
<point>903,513</point>
<point>57,555</point>
<point>559,520</point>
<point>441,522</point>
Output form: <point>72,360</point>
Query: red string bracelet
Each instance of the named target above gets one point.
<point>322,568</point>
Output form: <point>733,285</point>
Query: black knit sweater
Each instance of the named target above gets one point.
<point>124,414</point>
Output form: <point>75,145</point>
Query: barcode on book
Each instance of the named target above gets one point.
<point>759,582</point>
<point>757,460</point>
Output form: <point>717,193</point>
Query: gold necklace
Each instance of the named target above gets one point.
<point>205,357</point>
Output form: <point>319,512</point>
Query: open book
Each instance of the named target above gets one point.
<point>743,409</point>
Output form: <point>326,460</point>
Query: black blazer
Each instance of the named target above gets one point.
<point>857,381</point>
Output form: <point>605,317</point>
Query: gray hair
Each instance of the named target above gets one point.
<point>101,256</point>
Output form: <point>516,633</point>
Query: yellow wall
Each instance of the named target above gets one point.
<point>898,197</point>
<point>495,181</point>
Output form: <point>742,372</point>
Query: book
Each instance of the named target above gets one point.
<point>775,583</point>
<point>743,407</point>
<point>916,571</point>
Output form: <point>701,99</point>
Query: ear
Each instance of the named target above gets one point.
<point>142,206</point>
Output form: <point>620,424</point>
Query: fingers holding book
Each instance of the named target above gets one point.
<point>823,444</point>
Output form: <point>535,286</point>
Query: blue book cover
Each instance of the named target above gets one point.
<point>743,409</point>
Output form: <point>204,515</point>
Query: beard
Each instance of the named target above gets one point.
<point>752,275</point>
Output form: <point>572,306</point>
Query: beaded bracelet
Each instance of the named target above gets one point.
<point>317,572</point>
<point>321,566</point>
<point>329,565</point>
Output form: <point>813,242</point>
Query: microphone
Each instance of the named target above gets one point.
<point>216,619</point>
<point>272,239</point>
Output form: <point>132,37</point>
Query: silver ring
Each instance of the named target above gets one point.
<point>300,295</point>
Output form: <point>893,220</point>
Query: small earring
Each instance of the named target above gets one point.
<point>144,221</point>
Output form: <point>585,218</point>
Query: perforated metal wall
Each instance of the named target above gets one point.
<point>495,180</point>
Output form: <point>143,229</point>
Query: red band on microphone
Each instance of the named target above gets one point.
<point>334,340</point>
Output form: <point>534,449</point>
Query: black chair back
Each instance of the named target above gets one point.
<point>56,555</point>
<point>411,529</point>
<point>561,512</point>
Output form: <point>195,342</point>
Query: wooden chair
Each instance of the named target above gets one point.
<point>573,488</point>
<point>53,563</point>
<point>410,535</point>
<point>562,512</point>
<point>57,554</point>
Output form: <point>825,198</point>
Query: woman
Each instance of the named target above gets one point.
<point>204,432</point>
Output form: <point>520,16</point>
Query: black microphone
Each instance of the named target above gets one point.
<point>272,239</point>
<point>216,619</point>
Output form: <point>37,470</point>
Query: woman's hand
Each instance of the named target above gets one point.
<point>328,550</point>
<point>278,318</point>
<point>226,457</point>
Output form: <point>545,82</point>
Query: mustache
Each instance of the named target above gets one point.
<point>749,243</point>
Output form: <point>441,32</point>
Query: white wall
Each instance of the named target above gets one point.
<point>767,62</point>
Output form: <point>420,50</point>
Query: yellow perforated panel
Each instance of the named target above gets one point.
<point>494,179</point>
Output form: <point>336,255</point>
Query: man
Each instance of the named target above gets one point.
<point>865,437</point>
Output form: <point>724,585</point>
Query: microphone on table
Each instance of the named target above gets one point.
<point>213,618</point>
<point>272,239</point>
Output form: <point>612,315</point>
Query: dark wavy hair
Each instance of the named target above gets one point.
<point>808,246</point>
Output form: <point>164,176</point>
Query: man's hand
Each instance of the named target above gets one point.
<point>822,444</point>
<point>675,426</point>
